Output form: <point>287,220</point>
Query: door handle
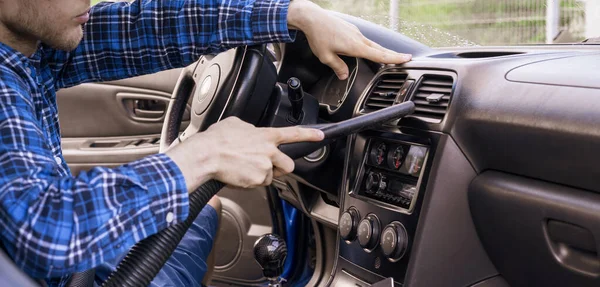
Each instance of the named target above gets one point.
<point>151,109</point>
<point>144,107</point>
<point>149,114</point>
<point>573,246</point>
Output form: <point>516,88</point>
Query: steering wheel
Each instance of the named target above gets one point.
<point>221,85</point>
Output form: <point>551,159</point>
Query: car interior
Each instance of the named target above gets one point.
<point>483,172</point>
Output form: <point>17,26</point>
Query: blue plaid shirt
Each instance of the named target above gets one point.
<point>53,223</point>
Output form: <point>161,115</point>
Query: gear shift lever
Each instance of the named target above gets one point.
<point>270,252</point>
<point>296,97</point>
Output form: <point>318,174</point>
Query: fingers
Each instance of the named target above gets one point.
<point>268,179</point>
<point>403,58</point>
<point>295,134</point>
<point>278,172</point>
<point>283,163</point>
<point>375,52</point>
<point>338,66</point>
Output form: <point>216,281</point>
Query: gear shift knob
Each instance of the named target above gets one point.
<point>270,251</point>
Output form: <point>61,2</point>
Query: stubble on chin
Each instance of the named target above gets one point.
<point>64,42</point>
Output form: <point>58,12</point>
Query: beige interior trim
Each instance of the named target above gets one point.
<point>162,81</point>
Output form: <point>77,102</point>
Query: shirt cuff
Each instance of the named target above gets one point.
<point>166,189</point>
<point>269,21</point>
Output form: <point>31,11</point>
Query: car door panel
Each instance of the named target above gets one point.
<point>85,153</point>
<point>109,109</point>
<point>113,123</point>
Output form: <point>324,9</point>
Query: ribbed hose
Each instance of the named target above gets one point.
<point>147,257</point>
<point>82,279</point>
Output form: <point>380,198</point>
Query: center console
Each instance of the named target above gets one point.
<point>385,179</point>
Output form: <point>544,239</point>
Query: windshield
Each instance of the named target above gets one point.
<point>455,23</point>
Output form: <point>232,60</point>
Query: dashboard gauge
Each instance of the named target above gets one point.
<point>378,153</point>
<point>337,90</point>
<point>415,160</point>
<point>395,157</point>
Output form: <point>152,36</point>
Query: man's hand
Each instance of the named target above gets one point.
<point>330,36</point>
<point>237,153</point>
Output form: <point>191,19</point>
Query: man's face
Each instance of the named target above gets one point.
<point>56,23</point>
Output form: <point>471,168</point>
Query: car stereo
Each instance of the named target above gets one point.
<point>391,173</point>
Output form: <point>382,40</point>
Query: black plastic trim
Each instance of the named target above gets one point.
<point>537,233</point>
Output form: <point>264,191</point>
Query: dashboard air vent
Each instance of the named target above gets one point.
<point>432,97</point>
<point>384,92</point>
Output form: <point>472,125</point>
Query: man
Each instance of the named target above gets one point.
<point>54,224</point>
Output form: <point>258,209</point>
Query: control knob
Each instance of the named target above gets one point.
<point>348,223</point>
<point>368,232</point>
<point>394,240</point>
<point>375,182</point>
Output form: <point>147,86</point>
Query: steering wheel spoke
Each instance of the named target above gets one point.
<point>189,131</point>
<point>200,84</point>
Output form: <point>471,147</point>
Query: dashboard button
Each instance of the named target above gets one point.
<point>373,181</point>
<point>368,232</point>
<point>394,240</point>
<point>348,223</point>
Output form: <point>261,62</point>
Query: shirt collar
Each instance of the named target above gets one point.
<point>14,58</point>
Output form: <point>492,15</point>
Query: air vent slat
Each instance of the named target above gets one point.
<point>435,89</point>
<point>425,103</point>
<point>397,81</point>
<point>429,117</point>
<point>378,105</point>
<point>425,95</point>
<point>437,83</point>
<point>432,110</point>
<point>432,97</point>
<point>384,92</point>
<point>389,87</point>
<point>386,99</point>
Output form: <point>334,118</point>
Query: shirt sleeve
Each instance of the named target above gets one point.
<point>52,224</point>
<point>129,39</point>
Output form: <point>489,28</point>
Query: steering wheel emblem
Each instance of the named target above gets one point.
<point>204,88</point>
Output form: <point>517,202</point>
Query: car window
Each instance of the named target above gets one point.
<point>440,23</point>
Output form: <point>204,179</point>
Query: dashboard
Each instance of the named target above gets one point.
<point>403,196</point>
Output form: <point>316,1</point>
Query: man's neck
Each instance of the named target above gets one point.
<point>27,46</point>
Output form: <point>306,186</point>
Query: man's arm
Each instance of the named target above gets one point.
<point>128,39</point>
<point>55,224</point>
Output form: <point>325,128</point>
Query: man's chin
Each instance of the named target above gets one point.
<point>66,43</point>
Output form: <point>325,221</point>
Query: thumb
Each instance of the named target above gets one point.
<point>338,66</point>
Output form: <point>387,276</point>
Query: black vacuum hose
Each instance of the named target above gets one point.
<point>147,257</point>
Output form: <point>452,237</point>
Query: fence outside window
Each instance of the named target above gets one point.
<point>469,22</point>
